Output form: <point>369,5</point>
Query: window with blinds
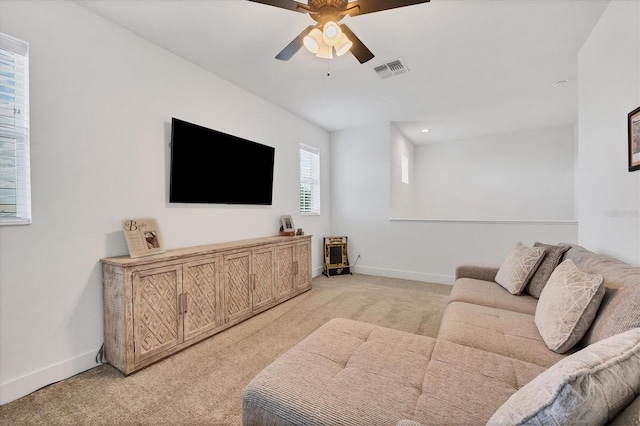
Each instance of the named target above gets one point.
<point>309,180</point>
<point>15,182</point>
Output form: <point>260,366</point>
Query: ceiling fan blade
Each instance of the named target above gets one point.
<point>294,46</point>
<point>285,4</point>
<point>359,50</point>
<point>361,7</point>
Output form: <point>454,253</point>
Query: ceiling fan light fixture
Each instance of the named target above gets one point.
<point>343,45</point>
<point>313,41</point>
<point>327,13</point>
<point>325,51</point>
<point>331,33</point>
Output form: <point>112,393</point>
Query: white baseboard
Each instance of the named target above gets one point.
<point>406,275</point>
<point>25,385</point>
<point>316,271</point>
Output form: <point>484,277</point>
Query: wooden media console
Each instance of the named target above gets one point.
<point>157,305</point>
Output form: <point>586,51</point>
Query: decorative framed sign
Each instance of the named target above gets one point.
<point>143,237</point>
<point>634,139</point>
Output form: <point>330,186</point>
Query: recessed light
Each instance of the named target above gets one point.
<point>425,130</point>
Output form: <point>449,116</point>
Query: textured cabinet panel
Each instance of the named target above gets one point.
<point>157,325</point>
<point>262,268</point>
<point>284,276</point>
<point>237,292</point>
<point>201,286</point>
<point>303,266</point>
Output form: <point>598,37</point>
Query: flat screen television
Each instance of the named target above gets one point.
<point>211,167</point>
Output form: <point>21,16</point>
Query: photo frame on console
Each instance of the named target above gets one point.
<point>634,139</point>
<point>287,224</point>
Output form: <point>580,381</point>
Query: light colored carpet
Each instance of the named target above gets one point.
<point>203,384</point>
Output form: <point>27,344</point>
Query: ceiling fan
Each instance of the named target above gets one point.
<point>327,34</point>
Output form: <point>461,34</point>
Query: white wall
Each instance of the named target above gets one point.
<point>519,176</point>
<point>422,250</point>
<point>609,88</point>
<point>576,170</point>
<point>101,106</point>
<point>402,194</point>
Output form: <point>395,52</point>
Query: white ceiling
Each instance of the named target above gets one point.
<point>478,67</point>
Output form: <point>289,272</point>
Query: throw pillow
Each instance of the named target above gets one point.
<point>620,312</point>
<point>517,269</point>
<point>588,387</point>
<point>552,257</point>
<point>629,417</point>
<point>567,306</point>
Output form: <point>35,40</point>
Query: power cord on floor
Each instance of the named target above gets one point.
<point>100,359</point>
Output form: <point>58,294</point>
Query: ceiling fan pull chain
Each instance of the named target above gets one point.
<point>328,68</point>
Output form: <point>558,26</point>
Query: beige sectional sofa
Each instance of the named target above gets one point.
<point>489,363</point>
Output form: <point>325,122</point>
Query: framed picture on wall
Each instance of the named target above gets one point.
<point>634,139</point>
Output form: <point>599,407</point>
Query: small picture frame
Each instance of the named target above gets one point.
<point>143,237</point>
<point>634,139</point>
<point>287,224</point>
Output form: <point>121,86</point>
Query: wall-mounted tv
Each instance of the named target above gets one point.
<point>212,167</point>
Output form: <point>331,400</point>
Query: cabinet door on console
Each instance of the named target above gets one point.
<point>201,285</point>
<point>157,325</point>
<point>262,270</point>
<point>285,271</point>
<point>303,262</point>
<point>237,285</point>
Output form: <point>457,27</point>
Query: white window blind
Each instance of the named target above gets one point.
<point>15,182</point>
<point>309,180</point>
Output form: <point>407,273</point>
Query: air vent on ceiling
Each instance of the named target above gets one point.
<point>395,67</point>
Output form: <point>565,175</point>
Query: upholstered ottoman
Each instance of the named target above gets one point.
<point>349,372</point>
<point>344,372</point>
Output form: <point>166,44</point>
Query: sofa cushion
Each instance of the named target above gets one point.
<point>465,386</point>
<point>620,307</point>
<point>590,387</point>
<point>552,258</point>
<point>345,372</point>
<point>507,333</point>
<point>518,267</point>
<point>630,416</point>
<point>567,306</point>
<point>407,422</point>
<point>491,294</point>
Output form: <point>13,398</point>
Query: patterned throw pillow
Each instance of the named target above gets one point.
<point>588,387</point>
<point>618,315</point>
<point>517,269</point>
<point>567,306</point>
<point>552,257</point>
